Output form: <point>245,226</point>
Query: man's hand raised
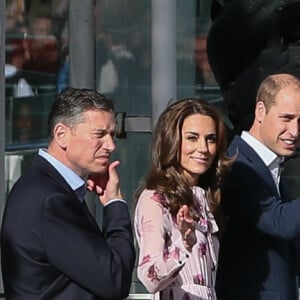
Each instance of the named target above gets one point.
<point>106,186</point>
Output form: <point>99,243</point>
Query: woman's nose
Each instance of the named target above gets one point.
<point>202,146</point>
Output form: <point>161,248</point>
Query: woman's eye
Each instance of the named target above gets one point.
<point>192,138</point>
<point>212,139</point>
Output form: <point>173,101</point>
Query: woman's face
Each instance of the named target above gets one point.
<point>198,147</point>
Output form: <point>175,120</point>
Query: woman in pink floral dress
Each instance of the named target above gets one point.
<point>174,215</point>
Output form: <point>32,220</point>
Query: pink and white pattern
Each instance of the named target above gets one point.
<point>165,267</point>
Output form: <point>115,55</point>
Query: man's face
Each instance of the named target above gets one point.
<point>280,127</point>
<point>90,144</point>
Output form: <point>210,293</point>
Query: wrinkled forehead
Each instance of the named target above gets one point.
<point>98,116</point>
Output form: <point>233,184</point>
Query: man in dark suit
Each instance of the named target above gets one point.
<point>52,247</point>
<point>257,255</point>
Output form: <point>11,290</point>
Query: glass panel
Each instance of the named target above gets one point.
<point>123,53</point>
<point>133,153</point>
<point>15,164</point>
<point>194,75</point>
<point>26,121</point>
<point>34,51</point>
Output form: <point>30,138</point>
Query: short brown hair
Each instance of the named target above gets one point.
<point>271,86</point>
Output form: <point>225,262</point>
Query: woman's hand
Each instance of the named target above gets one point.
<point>186,226</point>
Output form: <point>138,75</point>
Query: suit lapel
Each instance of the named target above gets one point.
<point>52,173</point>
<point>283,187</point>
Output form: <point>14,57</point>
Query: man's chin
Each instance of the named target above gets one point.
<point>287,152</point>
<point>102,169</point>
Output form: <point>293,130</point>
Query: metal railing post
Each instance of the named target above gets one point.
<point>163,55</point>
<point>81,44</point>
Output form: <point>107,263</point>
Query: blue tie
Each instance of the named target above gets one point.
<point>80,192</point>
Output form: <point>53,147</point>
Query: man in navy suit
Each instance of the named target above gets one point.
<point>257,256</point>
<point>52,247</point>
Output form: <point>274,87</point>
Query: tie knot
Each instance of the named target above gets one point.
<point>277,162</point>
<point>81,191</point>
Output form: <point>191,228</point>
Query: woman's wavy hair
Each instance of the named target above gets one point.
<point>166,174</point>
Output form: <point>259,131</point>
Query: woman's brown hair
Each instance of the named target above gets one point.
<point>166,174</point>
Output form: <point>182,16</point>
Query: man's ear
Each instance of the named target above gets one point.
<point>260,111</point>
<point>60,134</point>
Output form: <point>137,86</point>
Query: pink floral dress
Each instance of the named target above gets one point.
<point>165,267</point>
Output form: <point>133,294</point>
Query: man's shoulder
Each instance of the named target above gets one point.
<point>39,177</point>
<point>234,146</point>
<point>247,161</point>
<point>241,148</point>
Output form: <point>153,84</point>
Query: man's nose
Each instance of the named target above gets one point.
<point>109,143</point>
<point>294,129</point>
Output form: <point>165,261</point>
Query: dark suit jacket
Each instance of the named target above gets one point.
<point>52,248</point>
<point>257,258</point>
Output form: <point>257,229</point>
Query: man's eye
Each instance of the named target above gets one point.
<point>99,135</point>
<point>286,119</point>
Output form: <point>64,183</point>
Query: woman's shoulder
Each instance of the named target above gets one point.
<point>153,196</point>
<point>198,191</point>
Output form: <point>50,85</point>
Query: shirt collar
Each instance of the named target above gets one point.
<point>69,175</point>
<point>270,159</point>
